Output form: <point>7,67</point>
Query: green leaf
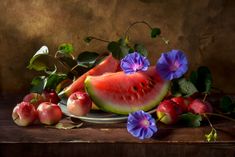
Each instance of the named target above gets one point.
<point>38,84</point>
<point>87,59</point>
<point>88,39</point>
<point>68,61</point>
<point>54,79</point>
<point>193,77</point>
<point>123,41</point>
<point>66,49</point>
<point>114,47</point>
<point>141,49</point>
<point>202,79</point>
<point>35,62</point>
<point>186,87</point>
<point>191,120</point>
<point>226,104</point>
<point>155,32</point>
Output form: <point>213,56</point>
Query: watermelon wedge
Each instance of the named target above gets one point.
<point>109,64</point>
<point>122,93</point>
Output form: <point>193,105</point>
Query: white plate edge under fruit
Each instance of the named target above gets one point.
<point>114,118</point>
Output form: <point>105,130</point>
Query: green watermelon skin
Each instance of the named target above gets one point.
<point>122,93</point>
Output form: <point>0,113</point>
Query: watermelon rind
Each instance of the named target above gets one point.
<point>124,110</point>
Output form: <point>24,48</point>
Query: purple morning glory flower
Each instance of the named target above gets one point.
<point>134,62</point>
<point>172,64</point>
<point>141,124</point>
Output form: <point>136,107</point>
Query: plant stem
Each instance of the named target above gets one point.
<point>220,115</point>
<point>205,96</point>
<point>99,39</point>
<point>137,22</point>
<point>205,115</point>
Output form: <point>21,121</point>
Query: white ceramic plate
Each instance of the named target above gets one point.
<point>97,116</point>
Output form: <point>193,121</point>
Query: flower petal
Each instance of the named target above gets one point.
<point>172,64</point>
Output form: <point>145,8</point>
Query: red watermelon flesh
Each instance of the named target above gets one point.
<point>124,93</point>
<point>109,64</point>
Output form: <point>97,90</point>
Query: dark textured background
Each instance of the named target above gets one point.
<point>204,29</point>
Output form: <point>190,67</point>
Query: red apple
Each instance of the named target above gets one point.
<point>199,107</point>
<point>49,113</point>
<point>24,114</point>
<point>168,112</point>
<point>51,96</point>
<point>182,102</point>
<point>34,98</point>
<point>79,103</point>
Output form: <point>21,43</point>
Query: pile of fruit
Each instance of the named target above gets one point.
<point>120,82</point>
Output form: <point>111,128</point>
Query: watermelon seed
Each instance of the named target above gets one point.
<point>151,83</point>
<point>142,84</point>
<point>123,97</point>
<point>134,88</point>
<point>151,77</point>
<point>143,91</point>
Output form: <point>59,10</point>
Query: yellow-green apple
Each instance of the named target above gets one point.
<point>49,113</point>
<point>168,112</point>
<point>24,114</point>
<point>79,103</point>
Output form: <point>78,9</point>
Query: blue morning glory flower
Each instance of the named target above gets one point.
<point>172,64</point>
<point>141,124</point>
<point>134,62</point>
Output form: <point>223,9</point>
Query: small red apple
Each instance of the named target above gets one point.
<point>24,114</point>
<point>199,107</point>
<point>51,96</point>
<point>49,113</point>
<point>79,103</point>
<point>34,98</point>
<point>182,102</point>
<point>168,112</point>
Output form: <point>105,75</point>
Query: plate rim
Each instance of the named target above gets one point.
<point>119,118</point>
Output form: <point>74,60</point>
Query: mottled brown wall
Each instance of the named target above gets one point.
<point>204,29</point>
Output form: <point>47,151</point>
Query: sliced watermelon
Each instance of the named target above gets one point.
<point>109,64</point>
<point>125,93</point>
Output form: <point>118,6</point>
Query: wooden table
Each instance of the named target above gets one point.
<point>110,139</point>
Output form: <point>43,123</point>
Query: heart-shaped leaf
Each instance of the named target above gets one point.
<point>114,47</point>
<point>202,79</point>
<point>87,59</point>
<point>35,62</point>
<point>226,104</point>
<point>54,79</point>
<point>155,32</point>
<point>190,119</point>
<point>186,87</point>
<point>38,84</point>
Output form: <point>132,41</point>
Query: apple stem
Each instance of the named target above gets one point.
<point>205,96</point>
